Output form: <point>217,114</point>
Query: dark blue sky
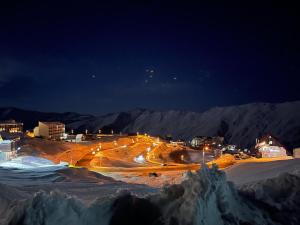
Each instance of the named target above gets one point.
<point>94,57</point>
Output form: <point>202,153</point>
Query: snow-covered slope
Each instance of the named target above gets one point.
<point>203,198</point>
<point>238,124</point>
<point>31,118</point>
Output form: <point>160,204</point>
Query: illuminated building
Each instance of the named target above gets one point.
<point>200,141</point>
<point>296,152</point>
<point>50,130</point>
<point>269,147</point>
<point>74,138</point>
<point>8,149</point>
<point>11,126</point>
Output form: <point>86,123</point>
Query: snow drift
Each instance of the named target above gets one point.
<point>32,163</point>
<point>204,197</point>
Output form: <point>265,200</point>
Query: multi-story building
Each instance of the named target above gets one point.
<point>50,130</point>
<point>11,126</point>
<point>268,147</point>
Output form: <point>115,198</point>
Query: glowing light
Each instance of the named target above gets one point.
<point>139,159</point>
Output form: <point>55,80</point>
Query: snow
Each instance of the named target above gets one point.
<point>78,196</point>
<point>238,124</point>
<point>242,173</point>
<point>31,163</point>
<point>206,198</point>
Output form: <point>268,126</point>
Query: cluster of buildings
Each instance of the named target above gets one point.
<point>11,126</point>
<point>11,133</point>
<point>265,147</point>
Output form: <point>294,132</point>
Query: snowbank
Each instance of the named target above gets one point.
<point>57,208</point>
<point>207,198</point>
<point>204,197</point>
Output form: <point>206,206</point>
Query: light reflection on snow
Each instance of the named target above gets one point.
<point>31,162</point>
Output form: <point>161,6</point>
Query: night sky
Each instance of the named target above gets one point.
<point>92,57</point>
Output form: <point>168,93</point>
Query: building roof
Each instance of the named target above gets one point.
<point>270,137</point>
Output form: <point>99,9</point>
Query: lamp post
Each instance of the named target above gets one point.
<point>203,154</point>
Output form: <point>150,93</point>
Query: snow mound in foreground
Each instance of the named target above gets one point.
<point>280,197</point>
<point>31,162</point>
<point>207,198</point>
<point>202,198</point>
<point>57,208</point>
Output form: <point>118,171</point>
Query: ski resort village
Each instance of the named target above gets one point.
<point>135,157</point>
<point>68,168</point>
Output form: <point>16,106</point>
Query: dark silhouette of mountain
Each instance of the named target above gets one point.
<point>31,118</point>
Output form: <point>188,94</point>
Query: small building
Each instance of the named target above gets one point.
<point>74,138</point>
<point>50,130</point>
<point>8,149</point>
<point>230,149</point>
<point>178,142</point>
<point>269,147</point>
<point>296,152</point>
<point>11,126</point>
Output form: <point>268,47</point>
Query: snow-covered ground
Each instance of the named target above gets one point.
<point>32,163</point>
<point>243,173</point>
<point>78,196</point>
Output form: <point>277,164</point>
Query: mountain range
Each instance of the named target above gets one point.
<point>239,125</point>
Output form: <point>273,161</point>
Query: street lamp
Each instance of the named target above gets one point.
<point>203,154</point>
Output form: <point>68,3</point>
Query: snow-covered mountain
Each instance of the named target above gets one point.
<point>238,124</point>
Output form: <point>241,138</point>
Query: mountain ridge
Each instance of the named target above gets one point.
<point>238,124</point>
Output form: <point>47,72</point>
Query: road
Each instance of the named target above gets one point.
<point>122,157</point>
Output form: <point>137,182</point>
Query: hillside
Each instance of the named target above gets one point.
<point>31,118</point>
<point>238,124</point>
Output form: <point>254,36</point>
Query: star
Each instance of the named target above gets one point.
<point>93,76</point>
<point>174,78</point>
